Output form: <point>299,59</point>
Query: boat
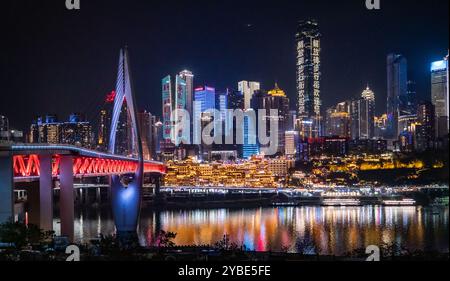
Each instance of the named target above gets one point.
<point>402,202</point>
<point>341,202</point>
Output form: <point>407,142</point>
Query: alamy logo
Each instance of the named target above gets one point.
<point>373,4</point>
<point>73,4</point>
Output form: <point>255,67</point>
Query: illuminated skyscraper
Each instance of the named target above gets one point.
<point>308,78</point>
<point>204,100</point>
<point>188,77</point>
<point>337,121</point>
<point>425,127</point>
<point>396,91</point>
<point>439,96</point>
<point>248,89</point>
<point>362,115</point>
<point>250,146</point>
<point>174,98</point>
<point>167,108</point>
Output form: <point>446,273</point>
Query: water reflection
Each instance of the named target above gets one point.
<point>336,230</point>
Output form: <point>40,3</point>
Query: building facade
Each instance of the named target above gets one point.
<point>396,89</point>
<point>308,78</point>
<point>440,97</point>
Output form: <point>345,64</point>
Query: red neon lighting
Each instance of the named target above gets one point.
<point>110,97</point>
<point>29,166</point>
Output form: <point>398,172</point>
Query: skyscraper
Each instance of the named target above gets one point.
<point>363,115</point>
<point>4,128</point>
<point>250,146</point>
<point>145,127</point>
<point>439,96</point>
<point>188,77</point>
<point>167,108</point>
<point>308,78</point>
<point>204,100</point>
<point>248,89</point>
<point>396,90</point>
<point>425,126</point>
<point>337,121</point>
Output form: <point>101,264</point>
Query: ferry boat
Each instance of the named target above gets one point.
<point>341,202</point>
<point>403,202</point>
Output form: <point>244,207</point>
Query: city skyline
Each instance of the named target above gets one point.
<point>210,72</point>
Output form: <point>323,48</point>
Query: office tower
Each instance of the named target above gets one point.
<point>439,96</point>
<point>145,127</point>
<point>337,120</point>
<point>204,101</point>
<point>157,139</point>
<point>188,77</point>
<point>396,90</point>
<point>124,144</point>
<point>276,99</point>
<point>291,120</point>
<point>167,109</point>
<point>104,122</point>
<point>308,78</point>
<point>408,103</point>
<point>291,142</point>
<point>180,104</point>
<point>50,131</point>
<point>235,99</point>
<point>362,114</point>
<point>77,132</point>
<point>250,146</point>
<point>248,89</point>
<point>222,104</point>
<point>425,126</point>
<point>380,124</point>
<point>4,128</point>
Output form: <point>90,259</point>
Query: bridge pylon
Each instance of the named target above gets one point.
<point>126,189</point>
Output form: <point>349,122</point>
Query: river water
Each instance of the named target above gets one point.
<point>335,230</point>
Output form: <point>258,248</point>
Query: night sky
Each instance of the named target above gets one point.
<point>58,61</point>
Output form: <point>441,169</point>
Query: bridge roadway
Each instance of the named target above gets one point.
<point>46,163</point>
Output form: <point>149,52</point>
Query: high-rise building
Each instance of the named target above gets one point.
<point>104,122</point>
<point>188,77</point>
<point>291,143</point>
<point>362,114</point>
<point>337,120</point>
<point>276,99</point>
<point>76,131</point>
<point>4,128</point>
<point>204,101</point>
<point>250,146</point>
<point>308,78</point>
<point>380,124</point>
<point>167,108</point>
<point>396,90</point>
<point>440,96</point>
<point>145,126</point>
<point>408,103</point>
<point>248,89</point>
<point>425,127</point>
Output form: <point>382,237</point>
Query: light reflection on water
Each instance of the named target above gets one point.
<point>336,230</point>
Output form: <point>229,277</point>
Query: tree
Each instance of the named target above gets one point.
<point>165,239</point>
<point>22,235</point>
